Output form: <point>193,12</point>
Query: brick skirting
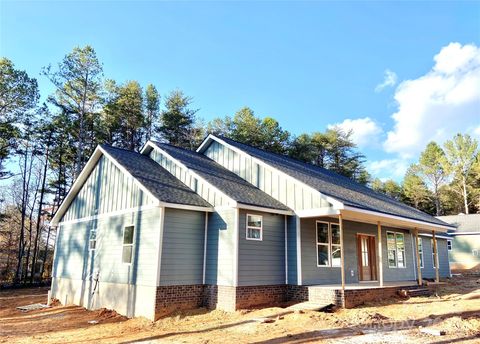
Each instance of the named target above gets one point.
<point>228,298</point>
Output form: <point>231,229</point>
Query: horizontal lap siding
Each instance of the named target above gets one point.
<point>74,260</point>
<point>284,189</point>
<point>428,270</point>
<point>262,262</point>
<point>463,249</point>
<point>107,189</point>
<point>220,247</point>
<point>329,275</point>
<point>292,249</point>
<point>182,247</point>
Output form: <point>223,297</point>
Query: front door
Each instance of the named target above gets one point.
<point>367,261</point>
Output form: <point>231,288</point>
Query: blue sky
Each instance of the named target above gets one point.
<point>308,64</point>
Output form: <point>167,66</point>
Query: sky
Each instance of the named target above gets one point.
<point>400,74</point>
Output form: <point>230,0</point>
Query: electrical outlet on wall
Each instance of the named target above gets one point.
<point>352,273</point>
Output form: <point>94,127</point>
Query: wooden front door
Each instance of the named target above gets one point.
<point>367,258</point>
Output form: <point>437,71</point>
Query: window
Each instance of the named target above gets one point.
<point>92,240</point>
<point>449,245</point>
<point>328,244</point>
<point>434,260</point>
<point>254,227</point>
<point>396,250</point>
<point>127,250</point>
<point>420,251</point>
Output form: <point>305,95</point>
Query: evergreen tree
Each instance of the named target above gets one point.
<point>152,108</point>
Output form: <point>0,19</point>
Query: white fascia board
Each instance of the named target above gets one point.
<point>336,203</point>
<point>395,217</point>
<point>317,212</point>
<point>154,146</point>
<point>77,184</point>
<point>464,233</point>
<point>436,235</point>
<point>187,207</point>
<point>206,141</point>
<point>265,210</point>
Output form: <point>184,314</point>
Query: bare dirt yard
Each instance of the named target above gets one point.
<point>455,309</point>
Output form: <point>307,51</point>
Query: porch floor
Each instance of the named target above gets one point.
<point>366,285</point>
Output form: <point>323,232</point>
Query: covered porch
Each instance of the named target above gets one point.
<point>360,253</point>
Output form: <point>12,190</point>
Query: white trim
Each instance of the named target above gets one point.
<point>414,260</point>
<point>57,235</point>
<point>422,260</point>
<point>376,213</point>
<point>317,212</point>
<point>265,210</point>
<point>430,235</point>
<point>329,244</point>
<point>152,144</point>
<point>299,251</point>
<point>132,245</point>
<point>254,227</point>
<point>236,245</point>
<point>396,250</point>
<point>112,213</point>
<point>205,248</point>
<point>286,249</point>
<point>434,254</point>
<point>186,207</point>
<point>160,243</point>
<point>461,233</point>
<point>337,204</point>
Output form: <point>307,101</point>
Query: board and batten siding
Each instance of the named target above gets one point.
<point>428,270</point>
<point>313,274</point>
<point>73,259</point>
<point>206,191</point>
<point>283,188</point>
<point>221,247</point>
<point>262,262</point>
<point>107,189</point>
<point>182,247</point>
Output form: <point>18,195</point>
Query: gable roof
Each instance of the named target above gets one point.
<point>150,176</point>
<point>226,181</point>
<point>343,189</point>
<point>465,223</point>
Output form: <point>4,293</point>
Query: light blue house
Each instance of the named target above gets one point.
<point>232,226</point>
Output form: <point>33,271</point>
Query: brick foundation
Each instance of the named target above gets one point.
<point>228,298</point>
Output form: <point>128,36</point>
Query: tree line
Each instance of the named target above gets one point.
<point>44,146</point>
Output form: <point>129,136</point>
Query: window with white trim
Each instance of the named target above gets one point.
<point>92,240</point>
<point>433,254</point>
<point>420,251</point>
<point>127,249</point>
<point>254,230</point>
<point>449,245</point>
<point>396,249</point>
<point>328,244</point>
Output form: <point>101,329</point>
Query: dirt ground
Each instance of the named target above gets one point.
<point>456,309</point>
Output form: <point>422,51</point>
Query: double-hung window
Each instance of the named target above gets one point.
<point>92,240</point>
<point>420,251</point>
<point>127,248</point>
<point>254,230</point>
<point>396,250</point>
<point>328,244</point>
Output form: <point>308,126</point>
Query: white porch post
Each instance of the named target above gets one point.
<point>342,257</point>
<point>435,248</point>
<point>417,255</point>
<point>379,254</point>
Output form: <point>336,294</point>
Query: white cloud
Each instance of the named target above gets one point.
<point>364,130</point>
<point>389,79</point>
<point>437,105</point>
<point>388,168</point>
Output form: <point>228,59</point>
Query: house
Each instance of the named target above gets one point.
<point>230,226</point>
<point>464,242</point>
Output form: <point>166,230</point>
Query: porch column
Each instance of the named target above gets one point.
<point>342,256</point>
<point>379,254</point>
<point>417,255</point>
<point>435,248</point>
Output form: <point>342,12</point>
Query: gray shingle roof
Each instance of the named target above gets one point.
<point>163,185</point>
<point>226,181</point>
<point>464,223</point>
<point>336,186</point>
